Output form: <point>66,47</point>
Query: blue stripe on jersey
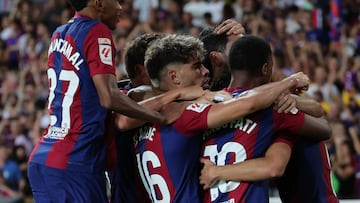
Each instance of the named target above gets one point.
<point>181,156</point>
<point>43,149</point>
<point>257,192</point>
<point>264,135</point>
<point>193,149</point>
<point>310,174</point>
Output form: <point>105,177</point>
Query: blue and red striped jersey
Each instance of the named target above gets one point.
<point>74,139</point>
<point>307,176</point>
<point>243,139</point>
<point>168,156</point>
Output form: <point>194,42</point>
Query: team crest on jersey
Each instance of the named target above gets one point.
<point>197,107</point>
<point>105,51</point>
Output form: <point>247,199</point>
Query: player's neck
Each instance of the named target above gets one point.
<point>89,12</point>
<point>243,79</point>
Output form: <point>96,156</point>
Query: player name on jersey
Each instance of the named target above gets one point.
<point>65,48</point>
<point>246,125</point>
<point>145,132</point>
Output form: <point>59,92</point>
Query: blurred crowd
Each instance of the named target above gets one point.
<point>318,37</point>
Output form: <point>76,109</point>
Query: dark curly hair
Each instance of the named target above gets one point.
<point>78,4</point>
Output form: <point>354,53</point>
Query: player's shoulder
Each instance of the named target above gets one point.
<point>196,107</point>
<point>101,28</point>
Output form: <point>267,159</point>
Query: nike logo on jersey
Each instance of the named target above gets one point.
<point>65,48</point>
<point>56,133</point>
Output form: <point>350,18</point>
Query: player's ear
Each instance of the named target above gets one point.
<point>99,5</point>
<point>265,70</point>
<point>216,59</point>
<point>173,77</point>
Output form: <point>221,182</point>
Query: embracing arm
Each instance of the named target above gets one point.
<point>287,103</point>
<point>111,98</point>
<point>253,100</point>
<point>315,129</point>
<point>157,102</point>
<point>271,166</point>
<point>308,105</point>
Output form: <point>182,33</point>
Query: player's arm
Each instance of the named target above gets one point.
<point>253,100</point>
<point>271,166</point>
<point>99,52</point>
<point>111,98</point>
<point>308,105</point>
<point>291,102</point>
<point>156,103</point>
<point>315,129</point>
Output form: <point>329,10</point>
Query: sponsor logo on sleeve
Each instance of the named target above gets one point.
<point>197,107</point>
<point>105,51</point>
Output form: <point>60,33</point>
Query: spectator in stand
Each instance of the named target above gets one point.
<point>11,171</point>
<point>7,194</point>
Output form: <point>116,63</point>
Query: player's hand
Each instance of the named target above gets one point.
<point>231,27</point>
<point>207,178</point>
<point>191,93</point>
<point>217,96</point>
<point>160,119</point>
<point>301,80</point>
<point>285,103</point>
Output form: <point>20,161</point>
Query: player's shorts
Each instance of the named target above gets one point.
<point>60,186</point>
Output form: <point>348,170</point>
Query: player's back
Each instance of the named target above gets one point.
<point>244,139</point>
<point>307,176</point>
<point>74,139</point>
<point>168,156</point>
<point>126,186</point>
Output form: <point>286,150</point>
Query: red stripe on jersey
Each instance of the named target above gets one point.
<point>194,117</point>
<point>163,169</point>
<point>91,40</point>
<point>331,197</point>
<point>36,148</point>
<point>59,155</point>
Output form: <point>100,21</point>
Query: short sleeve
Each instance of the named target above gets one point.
<point>99,50</point>
<point>288,121</point>
<point>285,138</point>
<point>193,120</point>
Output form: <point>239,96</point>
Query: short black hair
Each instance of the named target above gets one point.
<point>135,51</point>
<point>212,42</point>
<point>78,5</point>
<point>249,53</point>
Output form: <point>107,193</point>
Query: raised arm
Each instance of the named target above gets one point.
<point>253,100</point>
